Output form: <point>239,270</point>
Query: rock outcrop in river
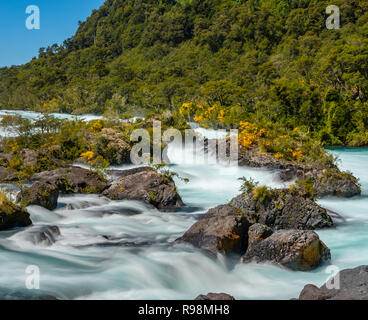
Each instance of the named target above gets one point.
<point>283,209</point>
<point>146,185</point>
<point>73,180</point>
<point>327,180</point>
<point>222,229</point>
<point>142,184</point>
<point>13,216</point>
<point>294,249</point>
<point>352,284</point>
<point>277,229</point>
<point>41,194</point>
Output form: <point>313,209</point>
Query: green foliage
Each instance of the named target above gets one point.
<point>261,193</point>
<point>167,173</point>
<point>307,187</point>
<point>265,60</point>
<point>248,184</point>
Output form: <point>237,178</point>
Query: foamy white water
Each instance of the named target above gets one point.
<point>126,250</point>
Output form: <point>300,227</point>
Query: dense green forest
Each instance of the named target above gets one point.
<point>260,60</point>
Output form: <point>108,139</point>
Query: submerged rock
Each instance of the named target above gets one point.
<point>13,216</point>
<point>283,209</point>
<point>293,249</point>
<point>352,283</point>
<point>223,229</point>
<point>46,235</point>
<point>146,185</point>
<point>215,297</point>
<point>40,194</point>
<point>73,180</point>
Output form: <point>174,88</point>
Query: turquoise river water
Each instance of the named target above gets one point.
<point>140,260</point>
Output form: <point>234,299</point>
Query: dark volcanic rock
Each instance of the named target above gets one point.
<point>222,229</point>
<point>254,158</point>
<point>41,194</point>
<point>146,185</point>
<point>73,180</point>
<point>353,286</point>
<point>215,297</point>
<point>283,209</point>
<point>287,175</point>
<point>275,228</point>
<point>116,174</point>
<point>12,216</point>
<point>327,179</point>
<point>293,249</point>
<point>333,183</point>
<point>258,233</point>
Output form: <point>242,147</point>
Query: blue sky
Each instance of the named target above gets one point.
<point>58,21</point>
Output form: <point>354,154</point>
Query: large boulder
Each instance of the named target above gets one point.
<point>12,216</point>
<point>41,194</point>
<point>117,174</point>
<point>273,226</point>
<point>73,180</point>
<point>215,297</point>
<point>352,284</point>
<point>223,229</point>
<point>257,233</point>
<point>293,249</point>
<point>148,186</point>
<point>283,209</point>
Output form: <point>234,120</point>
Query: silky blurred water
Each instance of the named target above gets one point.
<point>126,250</point>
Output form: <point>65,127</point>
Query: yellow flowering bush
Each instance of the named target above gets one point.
<point>96,126</point>
<point>88,155</point>
<point>12,145</point>
<point>50,106</point>
<point>186,110</point>
<point>15,163</point>
<point>286,147</point>
<point>205,116</point>
<point>250,134</point>
<point>279,155</point>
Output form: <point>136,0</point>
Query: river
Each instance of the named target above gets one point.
<point>107,252</point>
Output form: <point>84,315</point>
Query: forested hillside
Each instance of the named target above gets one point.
<point>261,60</point>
